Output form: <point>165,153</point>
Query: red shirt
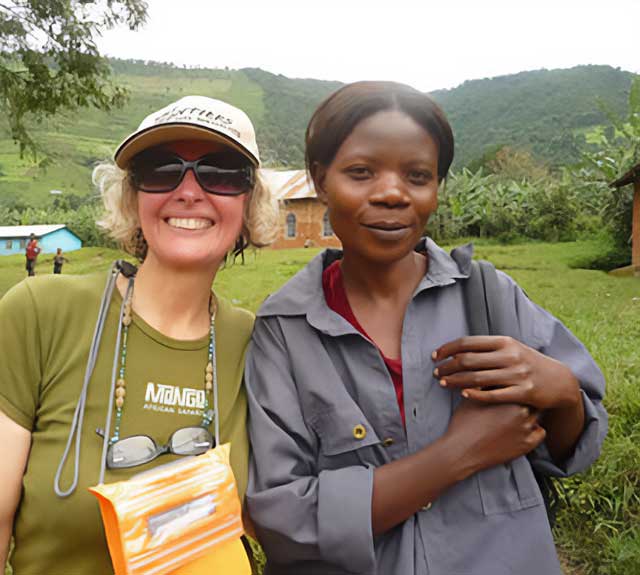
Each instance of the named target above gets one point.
<point>32,250</point>
<point>336,296</point>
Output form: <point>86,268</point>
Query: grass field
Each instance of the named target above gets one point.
<point>598,530</point>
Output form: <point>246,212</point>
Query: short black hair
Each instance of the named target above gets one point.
<point>343,110</point>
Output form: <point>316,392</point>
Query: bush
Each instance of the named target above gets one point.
<point>553,214</point>
<point>79,215</point>
<point>475,204</point>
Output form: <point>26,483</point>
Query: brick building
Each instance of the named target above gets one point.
<point>303,219</point>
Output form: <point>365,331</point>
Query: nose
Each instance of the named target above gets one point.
<point>390,191</point>
<point>189,191</point>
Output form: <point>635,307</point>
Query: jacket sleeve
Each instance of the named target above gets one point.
<point>545,333</point>
<point>301,514</point>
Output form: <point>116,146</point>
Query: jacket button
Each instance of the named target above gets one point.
<point>388,442</point>
<point>359,432</point>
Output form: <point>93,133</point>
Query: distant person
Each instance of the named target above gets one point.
<point>58,260</point>
<point>33,249</point>
<point>385,438</point>
<point>184,194</point>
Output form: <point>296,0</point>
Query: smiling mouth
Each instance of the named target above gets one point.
<point>386,226</point>
<point>189,223</point>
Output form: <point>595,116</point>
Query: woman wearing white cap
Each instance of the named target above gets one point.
<point>184,194</point>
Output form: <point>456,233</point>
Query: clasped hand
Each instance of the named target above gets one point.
<point>500,369</point>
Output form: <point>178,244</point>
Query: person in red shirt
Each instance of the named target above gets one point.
<point>33,249</point>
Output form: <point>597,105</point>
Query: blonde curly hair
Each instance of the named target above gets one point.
<point>120,217</point>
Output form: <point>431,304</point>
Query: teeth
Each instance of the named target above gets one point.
<point>189,223</point>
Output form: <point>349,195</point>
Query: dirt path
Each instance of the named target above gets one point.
<point>566,569</point>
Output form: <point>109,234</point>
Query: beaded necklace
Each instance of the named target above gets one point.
<point>210,376</point>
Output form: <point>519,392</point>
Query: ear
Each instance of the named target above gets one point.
<point>318,175</point>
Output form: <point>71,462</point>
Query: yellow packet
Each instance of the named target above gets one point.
<point>182,518</point>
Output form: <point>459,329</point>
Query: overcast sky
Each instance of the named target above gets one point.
<point>427,44</point>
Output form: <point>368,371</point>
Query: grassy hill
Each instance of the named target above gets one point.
<point>540,111</point>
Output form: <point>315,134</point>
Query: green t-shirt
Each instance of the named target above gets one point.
<point>46,328</point>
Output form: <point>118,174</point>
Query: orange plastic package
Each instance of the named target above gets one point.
<point>180,518</point>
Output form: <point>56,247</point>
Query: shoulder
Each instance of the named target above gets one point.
<point>57,289</point>
<point>535,325</point>
<point>234,320</point>
<point>56,292</point>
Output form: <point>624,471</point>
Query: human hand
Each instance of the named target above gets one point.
<point>488,435</point>
<point>500,369</point>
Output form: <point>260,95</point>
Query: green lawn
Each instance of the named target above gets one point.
<point>599,529</point>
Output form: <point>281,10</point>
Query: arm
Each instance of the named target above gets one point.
<point>14,450</point>
<point>496,369</point>
<point>303,513</point>
<point>478,437</point>
<point>20,376</point>
<point>549,369</point>
<point>564,422</point>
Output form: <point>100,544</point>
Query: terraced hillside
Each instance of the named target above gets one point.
<point>540,111</point>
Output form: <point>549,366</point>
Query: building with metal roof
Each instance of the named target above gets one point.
<point>303,218</point>
<point>13,239</point>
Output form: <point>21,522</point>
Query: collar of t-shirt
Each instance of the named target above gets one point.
<point>336,297</point>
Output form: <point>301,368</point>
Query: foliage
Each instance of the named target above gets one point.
<point>510,164</point>
<point>289,105</point>
<point>49,60</point>
<point>611,151</point>
<point>510,195</point>
<point>539,111</point>
<point>546,106</point>
<point>77,212</point>
<point>497,206</point>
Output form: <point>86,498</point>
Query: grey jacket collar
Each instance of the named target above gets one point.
<point>303,294</point>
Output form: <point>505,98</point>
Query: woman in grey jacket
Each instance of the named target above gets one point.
<point>386,440</point>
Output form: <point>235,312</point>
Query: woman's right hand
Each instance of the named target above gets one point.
<point>490,434</point>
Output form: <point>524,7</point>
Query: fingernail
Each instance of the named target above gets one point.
<point>443,382</point>
<point>465,395</point>
<point>434,354</point>
<point>436,372</point>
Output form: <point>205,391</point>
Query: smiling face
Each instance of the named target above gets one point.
<point>381,187</point>
<point>188,227</point>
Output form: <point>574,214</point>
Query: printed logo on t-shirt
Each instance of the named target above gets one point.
<point>174,399</point>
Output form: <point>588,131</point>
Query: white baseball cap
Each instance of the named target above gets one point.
<point>192,117</point>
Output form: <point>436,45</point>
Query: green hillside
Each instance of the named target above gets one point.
<point>75,142</point>
<point>540,111</point>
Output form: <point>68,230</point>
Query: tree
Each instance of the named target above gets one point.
<point>49,61</point>
<point>612,150</point>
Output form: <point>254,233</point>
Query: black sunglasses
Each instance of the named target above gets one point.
<point>158,171</point>
<point>140,449</point>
